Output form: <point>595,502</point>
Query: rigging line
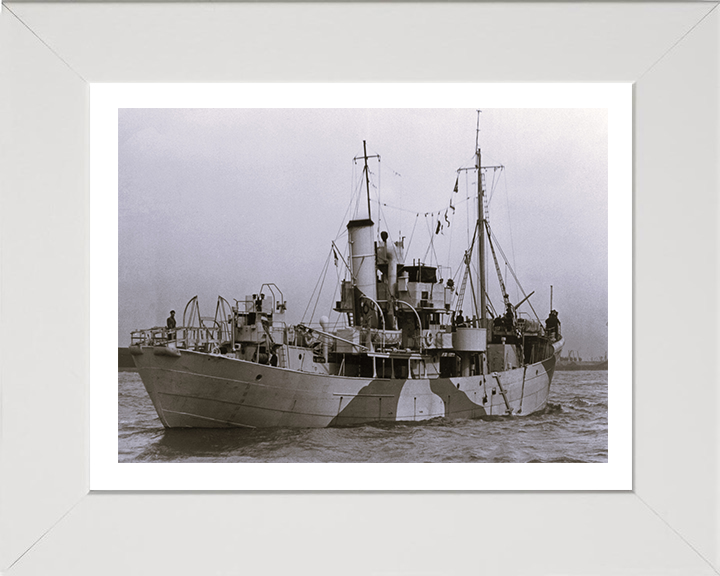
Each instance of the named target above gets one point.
<point>359,182</point>
<point>493,184</point>
<point>495,181</point>
<point>398,208</point>
<point>490,305</point>
<point>512,241</point>
<point>345,218</point>
<point>460,269</point>
<point>417,217</point>
<point>338,283</point>
<point>502,253</point>
<point>472,292</point>
<point>317,301</point>
<point>467,265</point>
<point>394,172</point>
<point>456,276</point>
<point>467,212</point>
<point>322,275</point>
<point>487,294</point>
<point>387,225</point>
<point>506,298</point>
<point>462,201</point>
<point>427,222</point>
<point>379,184</point>
<point>387,229</point>
<point>517,281</point>
<point>347,267</point>
<point>432,245</point>
<point>533,309</point>
<point>451,221</point>
<point>315,290</point>
<point>485,223</point>
<point>357,198</point>
<point>452,229</point>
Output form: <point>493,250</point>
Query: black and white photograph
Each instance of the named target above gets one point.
<point>363,285</point>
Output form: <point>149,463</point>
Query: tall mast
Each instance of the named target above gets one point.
<point>367,178</point>
<point>365,157</point>
<point>480,228</point>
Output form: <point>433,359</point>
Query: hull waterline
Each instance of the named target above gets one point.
<point>196,389</point>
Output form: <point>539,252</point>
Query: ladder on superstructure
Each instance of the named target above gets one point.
<point>506,298</point>
<point>468,256</point>
<point>463,285</point>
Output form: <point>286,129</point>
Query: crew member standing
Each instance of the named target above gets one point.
<point>171,325</point>
<point>552,325</point>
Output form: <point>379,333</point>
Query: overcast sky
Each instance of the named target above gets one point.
<point>219,201</point>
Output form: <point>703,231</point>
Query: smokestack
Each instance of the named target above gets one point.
<point>362,256</point>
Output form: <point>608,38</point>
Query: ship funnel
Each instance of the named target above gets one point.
<point>362,256</point>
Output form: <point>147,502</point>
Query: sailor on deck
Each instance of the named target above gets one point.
<point>171,325</point>
<point>509,317</point>
<point>552,325</point>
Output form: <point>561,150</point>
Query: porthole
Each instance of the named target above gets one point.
<point>258,377</point>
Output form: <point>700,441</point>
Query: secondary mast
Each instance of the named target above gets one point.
<point>480,228</point>
<point>365,157</point>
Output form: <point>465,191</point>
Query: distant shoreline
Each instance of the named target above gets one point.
<point>565,366</point>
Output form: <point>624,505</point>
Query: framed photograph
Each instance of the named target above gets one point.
<point>75,494</point>
<point>366,370</point>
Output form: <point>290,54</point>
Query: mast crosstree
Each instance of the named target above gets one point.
<point>365,157</point>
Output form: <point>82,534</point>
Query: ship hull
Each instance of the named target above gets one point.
<point>200,390</point>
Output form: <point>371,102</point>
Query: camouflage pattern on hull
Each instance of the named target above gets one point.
<point>194,389</point>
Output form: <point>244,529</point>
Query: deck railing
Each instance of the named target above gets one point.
<point>185,337</point>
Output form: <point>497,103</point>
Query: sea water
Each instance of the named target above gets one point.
<point>573,428</point>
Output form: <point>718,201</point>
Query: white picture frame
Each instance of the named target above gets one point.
<point>668,523</point>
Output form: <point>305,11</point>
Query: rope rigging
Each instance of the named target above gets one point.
<point>517,281</point>
<point>438,223</point>
<point>321,283</point>
<point>506,298</point>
